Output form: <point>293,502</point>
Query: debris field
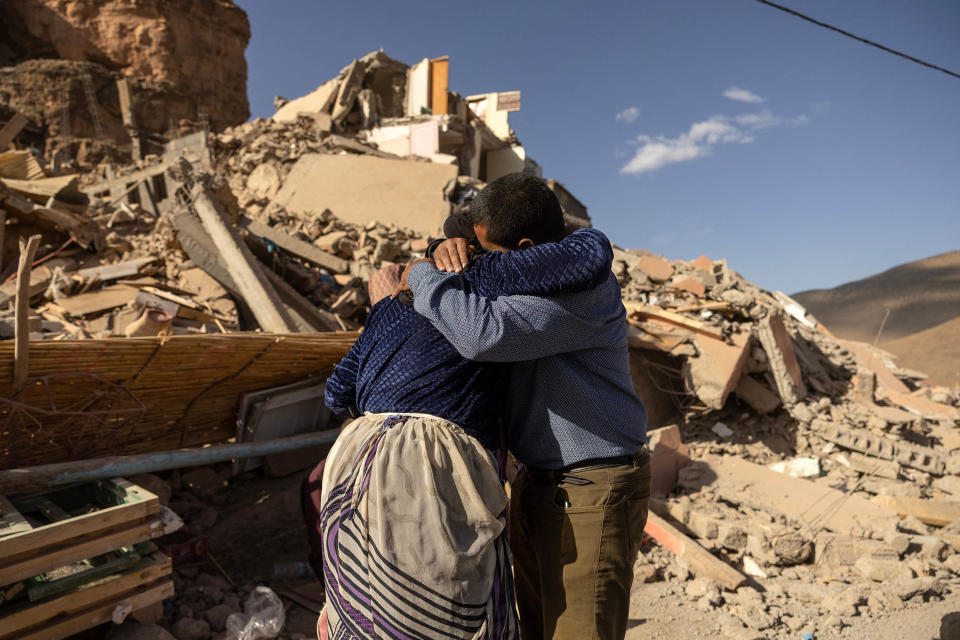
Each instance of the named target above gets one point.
<point>174,305</point>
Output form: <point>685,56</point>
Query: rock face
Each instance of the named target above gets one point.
<point>183,58</point>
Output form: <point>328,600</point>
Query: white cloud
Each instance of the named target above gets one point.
<point>628,115</point>
<point>742,95</point>
<point>699,141</point>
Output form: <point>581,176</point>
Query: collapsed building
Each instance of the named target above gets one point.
<point>181,306</point>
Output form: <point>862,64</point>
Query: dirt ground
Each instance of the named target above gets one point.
<point>659,612</point>
<point>260,524</point>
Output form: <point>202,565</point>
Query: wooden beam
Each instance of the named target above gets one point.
<point>295,246</point>
<point>318,319</point>
<point>700,561</point>
<point>126,112</point>
<point>656,313</point>
<point>100,613</point>
<point>938,513</point>
<point>81,547</point>
<point>21,355</point>
<point>11,129</point>
<point>150,571</point>
<point>243,267</point>
<point>118,184</point>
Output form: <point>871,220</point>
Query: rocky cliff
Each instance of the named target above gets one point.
<point>184,60</point>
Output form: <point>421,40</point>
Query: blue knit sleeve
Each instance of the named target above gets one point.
<point>340,393</point>
<point>580,261</point>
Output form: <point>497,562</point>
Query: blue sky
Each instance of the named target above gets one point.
<point>723,127</point>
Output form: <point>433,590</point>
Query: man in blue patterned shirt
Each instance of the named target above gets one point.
<point>572,417</point>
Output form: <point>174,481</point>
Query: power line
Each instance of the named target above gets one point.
<point>863,40</point>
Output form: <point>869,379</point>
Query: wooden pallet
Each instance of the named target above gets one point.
<point>30,552</point>
<point>62,573</point>
<point>92,604</point>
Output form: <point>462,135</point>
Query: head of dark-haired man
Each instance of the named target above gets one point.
<point>516,211</point>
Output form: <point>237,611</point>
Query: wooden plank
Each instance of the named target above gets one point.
<point>84,547</point>
<point>700,561</point>
<point>11,129</point>
<point>11,521</point>
<point>101,613</point>
<point>295,246</point>
<point>645,311</point>
<point>21,355</point>
<point>938,513</point>
<point>106,590</point>
<point>107,272</point>
<point>319,319</point>
<point>143,504</point>
<point>92,302</point>
<point>242,266</point>
<point>120,183</point>
<point>813,504</point>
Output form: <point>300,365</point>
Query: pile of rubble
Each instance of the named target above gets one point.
<point>312,193</point>
<point>800,479</point>
<point>825,474</point>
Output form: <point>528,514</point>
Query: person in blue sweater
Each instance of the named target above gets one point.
<point>572,418</point>
<point>412,516</point>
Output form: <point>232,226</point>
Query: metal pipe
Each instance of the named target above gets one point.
<point>61,473</point>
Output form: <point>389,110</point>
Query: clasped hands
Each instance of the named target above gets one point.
<point>451,255</point>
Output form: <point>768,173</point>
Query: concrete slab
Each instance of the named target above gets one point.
<point>358,189</point>
<point>314,102</point>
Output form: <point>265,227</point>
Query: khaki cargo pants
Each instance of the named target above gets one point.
<point>574,540</point>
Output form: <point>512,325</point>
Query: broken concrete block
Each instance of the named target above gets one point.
<point>948,484</point>
<point>833,551</point>
<point>657,268</point>
<point>668,455</point>
<point>722,430</point>
<point>782,360</point>
<point>217,616</point>
<point>190,629</point>
<point>868,465</point>
<point>715,372</point>
<point>883,568</point>
<point>264,181</point>
<point>703,263</point>
<point>644,573</point>
<point>757,395</point>
<point>691,285</point>
<point>736,297</point>
<point>938,513</point>
<point>334,242</point>
<point>203,482</point>
<point>317,101</point>
<point>349,302</point>
<point>386,251</point>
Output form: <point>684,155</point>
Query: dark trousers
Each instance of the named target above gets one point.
<point>575,539</point>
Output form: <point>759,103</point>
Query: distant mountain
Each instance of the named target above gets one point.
<point>922,298</point>
<point>935,351</point>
